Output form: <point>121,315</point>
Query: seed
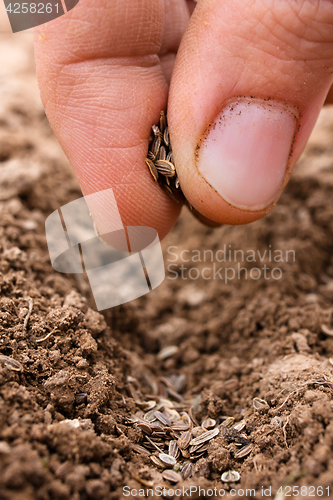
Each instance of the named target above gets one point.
<point>163,121</point>
<point>156,131</point>
<point>140,449</point>
<point>166,403</point>
<point>152,169</point>
<point>191,414</point>
<point>171,414</point>
<point>231,476</point>
<point>162,153</point>
<point>150,416</point>
<point>167,352</point>
<point>165,168</point>
<point>170,157</point>
<point>80,398</point>
<point>244,451</point>
<point>156,461</point>
<point>199,448</point>
<point>187,471</point>
<point>186,419</point>
<point>197,456</point>
<point>260,404</point>
<point>154,445</point>
<point>156,145</point>
<point>326,330</point>
<point>64,469</point>
<point>206,436</point>
<point>176,467</point>
<point>174,395</point>
<point>228,422</point>
<point>144,428</point>
<point>166,136</point>
<point>231,384</point>
<point>209,423</point>
<point>11,363</point>
<point>240,426</point>
<point>173,449</point>
<point>168,460</point>
<point>162,418</point>
<point>186,454</point>
<point>179,426</point>
<point>177,185</point>
<point>150,405</point>
<point>171,476</point>
<point>184,440</point>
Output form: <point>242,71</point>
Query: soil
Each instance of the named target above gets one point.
<point>264,337</point>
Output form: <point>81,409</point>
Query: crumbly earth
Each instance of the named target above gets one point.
<point>237,339</point>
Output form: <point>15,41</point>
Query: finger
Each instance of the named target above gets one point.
<point>329,98</point>
<point>102,86</point>
<point>175,21</point>
<point>249,81</point>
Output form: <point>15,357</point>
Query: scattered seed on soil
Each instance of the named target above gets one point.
<point>167,352</point>
<point>240,426</point>
<point>10,363</point>
<point>206,436</point>
<point>180,426</point>
<point>260,404</point>
<point>154,445</point>
<point>144,428</point>
<point>184,440</point>
<point>328,331</point>
<point>209,423</point>
<point>140,449</point>
<point>173,449</point>
<point>81,398</point>
<point>231,476</point>
<point>171,414</point>
<point>199,448</point>
<point>192,417</point>
<point>171,476</point>
<point>168,460</point>
<point>162,418</point>
<point>228,422</point>
<point>156,461</point>
<point>243,452</point>
<point>150,416</point>
<point>187,471</point>
<point>186,419</point>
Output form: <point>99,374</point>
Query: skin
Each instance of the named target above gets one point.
<point>104,72</point>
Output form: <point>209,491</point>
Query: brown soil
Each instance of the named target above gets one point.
<point>262,336</point>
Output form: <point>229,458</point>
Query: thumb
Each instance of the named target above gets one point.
<point>249,81</point>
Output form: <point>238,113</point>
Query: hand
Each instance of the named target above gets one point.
<point>247,85</point>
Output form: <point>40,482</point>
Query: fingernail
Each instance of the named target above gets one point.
<point>244,153</point>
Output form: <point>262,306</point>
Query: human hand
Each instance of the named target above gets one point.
<point>247,85</point>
